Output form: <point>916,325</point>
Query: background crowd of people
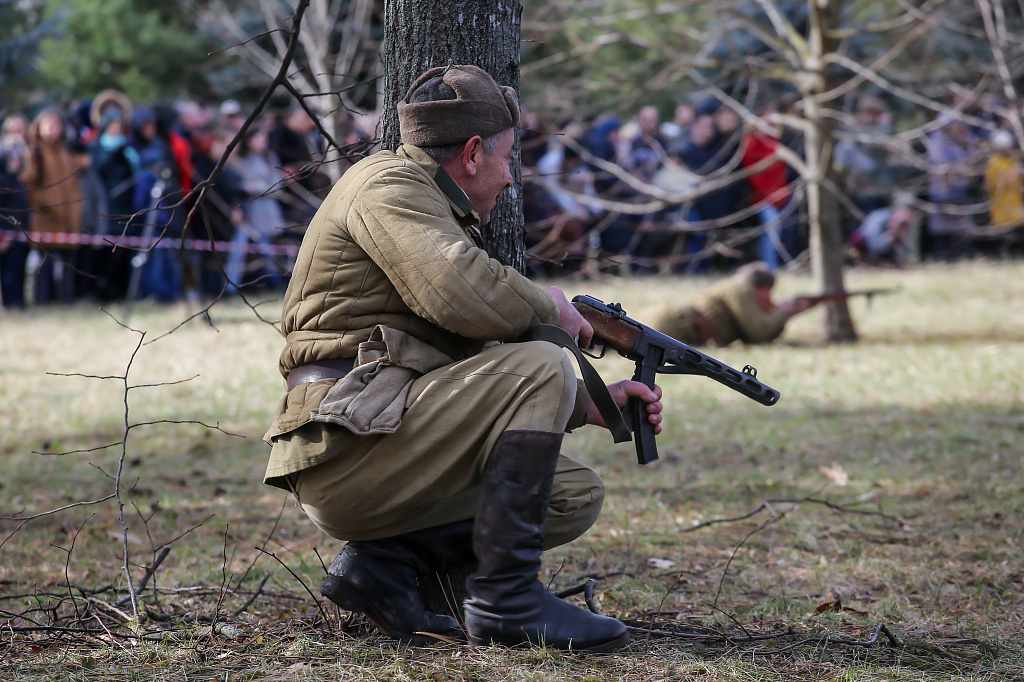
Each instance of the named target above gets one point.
<point>82,178</point>
<point>708,189</point>
<point>704,190</point>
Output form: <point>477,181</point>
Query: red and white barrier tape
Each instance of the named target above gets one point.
<point>143,243</point>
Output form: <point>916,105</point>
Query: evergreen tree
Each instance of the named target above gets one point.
<point>22,29</point>
<point>146,50</point>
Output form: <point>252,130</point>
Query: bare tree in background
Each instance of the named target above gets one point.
<point>927,60</point>
<point>421,35</point>
<point>338,62</point>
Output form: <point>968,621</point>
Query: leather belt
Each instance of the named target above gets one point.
<point>323,369</point>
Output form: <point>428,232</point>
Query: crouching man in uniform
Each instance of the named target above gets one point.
<point>414,427</point>
<point>739,308</point>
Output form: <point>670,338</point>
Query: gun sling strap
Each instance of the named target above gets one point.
<point>595,384</point>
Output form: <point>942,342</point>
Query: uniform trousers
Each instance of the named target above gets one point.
<point>428,472</point>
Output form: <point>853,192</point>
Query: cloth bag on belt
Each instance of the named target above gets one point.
<point>389,361</point>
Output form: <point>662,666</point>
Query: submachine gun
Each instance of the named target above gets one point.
<point>656,353</point>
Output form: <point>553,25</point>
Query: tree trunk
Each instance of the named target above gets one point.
<point>826,239</point>
<point>422,34</point>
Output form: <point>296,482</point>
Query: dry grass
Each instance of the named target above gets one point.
<point>900,458</point>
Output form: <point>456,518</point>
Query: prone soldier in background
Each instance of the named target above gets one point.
<point>739,308</point>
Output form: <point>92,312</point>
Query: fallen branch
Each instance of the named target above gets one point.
<point>150,570</point>
<point>301,582</point>
<point>767,506</point>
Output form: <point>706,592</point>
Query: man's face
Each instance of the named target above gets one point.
<point>726,120</point>
<point>494,174</point>
<point>763,295</point>
<point>685,115</point>
<point>50,128</point>
<point>703,131</point>
<point>649,120</point>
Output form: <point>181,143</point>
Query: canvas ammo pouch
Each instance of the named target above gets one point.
<point>389,361</point>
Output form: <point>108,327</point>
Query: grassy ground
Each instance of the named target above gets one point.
<point>886,488</point>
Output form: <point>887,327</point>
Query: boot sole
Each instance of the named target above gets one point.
<point>344,596</point>
<point>601,648</point>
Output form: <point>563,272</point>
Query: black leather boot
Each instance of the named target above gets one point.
<point>443,588</point>
<point>508,604</point>
<point>379,578</point>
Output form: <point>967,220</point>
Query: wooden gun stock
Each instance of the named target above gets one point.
<point>609,329</point>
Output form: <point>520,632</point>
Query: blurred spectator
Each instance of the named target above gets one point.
<point>645,156</point>
<point>861,157</point>
<point>950,173</point>
<point>601,141</point>
<point>296,141</point>
<point>196,125</point>
<point>260,175</point>
<point>51,178</point>
<point>885,236</point>
<point>107,101</point>
<point>15,127</point>
<point>15,216</point>
<point>533,140</point>
<point>231,117</point>
<point>770,192</point>
<point>156,188</point>
<point>218,214</point>
<point>92,258</point>
<point>728,126</point>
<point>646,149</point>
<point>116,164</point>
<point>988,110</point>
<point>1004,181</point>
<point>354,142</point>
<point>676,132</point>
<point>710,152</point>
<point>558,220</point>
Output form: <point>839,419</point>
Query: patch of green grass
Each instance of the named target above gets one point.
<point>887,483</point>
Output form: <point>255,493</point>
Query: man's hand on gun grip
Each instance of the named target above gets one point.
<point>622,391</point>
<point>570,319</point>
<point>797,306</point>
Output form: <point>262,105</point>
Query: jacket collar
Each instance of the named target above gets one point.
<point>462,207</point>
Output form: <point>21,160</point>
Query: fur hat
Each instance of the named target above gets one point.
<point>479,107</point>
<point>758,274</point>
<point>107,100</point>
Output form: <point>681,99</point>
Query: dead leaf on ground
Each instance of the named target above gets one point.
<point>835,474</point>
<point>661,563</point>
<point>837,607</point>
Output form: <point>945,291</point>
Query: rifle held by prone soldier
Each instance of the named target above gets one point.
<point>656,353</point>
<point>834,296</point>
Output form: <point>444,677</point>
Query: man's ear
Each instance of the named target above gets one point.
<point>472,154</point>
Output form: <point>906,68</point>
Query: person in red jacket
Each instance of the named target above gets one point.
<point>771,193</point>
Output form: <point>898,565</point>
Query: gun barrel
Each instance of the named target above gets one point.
<point>690,361</point>
<point>833,296</point>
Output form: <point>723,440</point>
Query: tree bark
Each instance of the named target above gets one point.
<point>826,239</point>
<point>422,34</point>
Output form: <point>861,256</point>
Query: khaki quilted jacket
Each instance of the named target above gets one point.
<point>736,315</point>
<point>395,244</point>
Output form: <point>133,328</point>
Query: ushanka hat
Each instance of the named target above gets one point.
<point>479,107</point>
